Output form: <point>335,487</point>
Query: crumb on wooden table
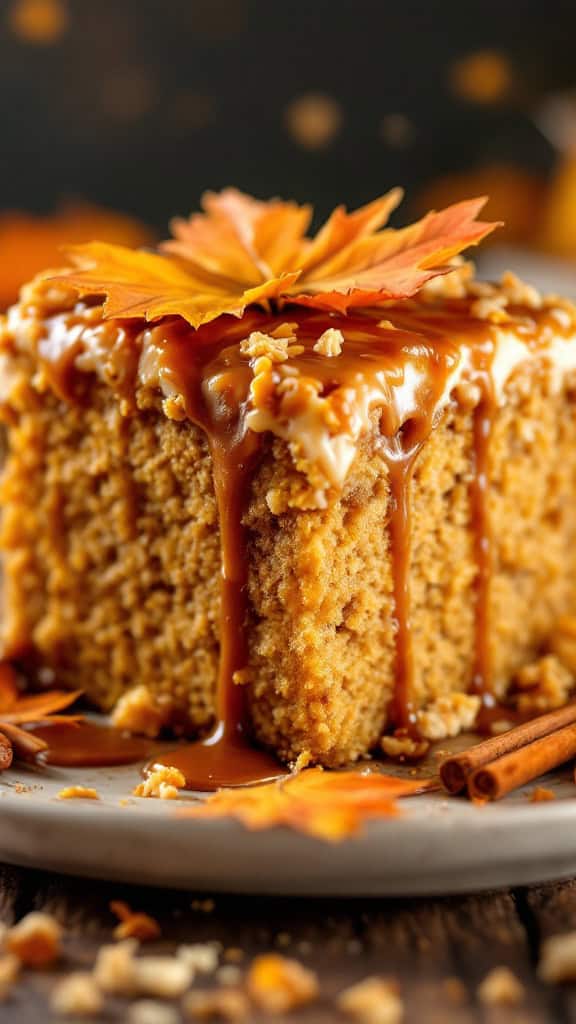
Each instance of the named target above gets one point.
<point>277,984</point>
<point>77,995</point>
<point>500,987</point>
<point>133,924</point>
<point>35,940</point>
<point>558,958</point>
<point>372,1001</point>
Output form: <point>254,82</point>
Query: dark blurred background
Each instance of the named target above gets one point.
<point>139,105</point>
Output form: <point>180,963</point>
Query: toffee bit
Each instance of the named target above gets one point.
<point>277,984</point>
<point>133,924</point>
<point>35,940</point>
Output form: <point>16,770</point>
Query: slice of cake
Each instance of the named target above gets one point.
<point>311,490</point>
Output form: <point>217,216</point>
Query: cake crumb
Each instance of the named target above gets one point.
<point>277,984</point>
<point>77,995</point>
<point>217,1004</point>
<point>9,970</point>
<point>137,711</point>
<point>78,793</point>
<point>372,1001</point>
<point>558,958</point>
<point>540,794</point>
<point>330,343</point>
<point>148,1011</point>
<point>543,685</point>
<point>164,977</point>
<point>448,716</point>
<point>35,940</point>
<point>500,988</point>
<point>162,783</point>
<point>114,968</point>
<point>133,924</point>
<point>201,956</point>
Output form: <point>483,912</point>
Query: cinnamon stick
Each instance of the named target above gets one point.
<point>506,773</point>
<point>6,752</point>
<point>26,744</point>
<point>456,770</point>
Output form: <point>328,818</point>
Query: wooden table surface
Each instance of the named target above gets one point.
<point>421,942</point>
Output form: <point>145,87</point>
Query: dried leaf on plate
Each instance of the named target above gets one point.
<point>35,708</point>
<point>242,251</point>
<point>327,805</point>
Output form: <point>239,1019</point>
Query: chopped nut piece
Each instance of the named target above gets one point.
<point>448,716</point>
<point>163,783</point>
<point>133,924</point>
<point>277,984</point>
<point>78,793</point>
<point>372,1001</point>
<point>165,977</point>
<point>201,956</point>
<point>217,1004</point>
<point>519,292</point>
<point>77,995</point>
<point>9,970</point>
<point>114,969</point>
<point>558,958</point>
<point>330,343</point>
<point>500,988</point>
<point>540,795</point>
<point>35,940</point>
<point>492,308</point>
<point>147,1011</point>
<point>404,747</point>
<point>257,345</point>
<point>543,685</point>
<point>138,711</point>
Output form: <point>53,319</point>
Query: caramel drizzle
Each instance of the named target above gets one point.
<point>215,384</point>
<point>483,424</point>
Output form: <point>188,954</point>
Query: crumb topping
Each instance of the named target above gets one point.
<point>77,995</point>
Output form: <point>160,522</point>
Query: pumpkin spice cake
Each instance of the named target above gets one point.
<point>314,490</point>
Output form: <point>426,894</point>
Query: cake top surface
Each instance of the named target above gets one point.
<point>247,326</point>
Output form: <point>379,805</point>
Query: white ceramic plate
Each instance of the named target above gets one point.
<point>439,845</point>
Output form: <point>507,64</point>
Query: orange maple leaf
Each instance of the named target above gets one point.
<point>30,243</point>
<point>324,804</point>
<point>35,708</point>
<point>241,251</point>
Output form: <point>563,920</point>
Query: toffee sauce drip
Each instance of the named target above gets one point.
<point>482,430</point>
<point>214,382</point>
